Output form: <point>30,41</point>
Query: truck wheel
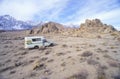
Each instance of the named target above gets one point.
<point>36,47</point>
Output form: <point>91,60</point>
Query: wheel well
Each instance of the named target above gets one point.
<point>36,47</point>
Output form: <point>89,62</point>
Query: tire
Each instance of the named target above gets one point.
<point>36,47</point>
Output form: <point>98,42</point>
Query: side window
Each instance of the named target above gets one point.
<point>36,39</point>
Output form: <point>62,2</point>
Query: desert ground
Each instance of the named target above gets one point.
<point>71,58</point>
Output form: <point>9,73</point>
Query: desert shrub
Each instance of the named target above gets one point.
<point>32,74</point>
<point>114,34</point>
<point>51,60</point>
<point>99,36</point>
<point>104,43</point>
<point>101,73</point>
<point>99,50</point>
<point>18,64</point>
<point>21,48</point>
<point>78,49</point>
<point>63,64</point>
<point>118,39</point>
<point>6,46</point>
<point>47,52</point>
<point>8,42</point>
<point>25,52</point>
<point>104,67</point>
<point>114,51</point>
<point>107,56</point>
<point>87,54</point>
<point>39,66</point>
<point>92,62</point>
<point>69,57</point>
<point>64,45</point>
<point>44,78</point>
<point>6,69</point>
<point>81,75</point>
<point>113,63</point>
<point>82,60</point>
<point>7,61</point>
<point>24,63</point>
<point>18,38</point>
<point>12,72</point>
<point>35,57</point>
<point>90,45</point>
<point>44,58</point>
<point>48,72</point>
<point>113,47</point>
<point>59,54</point>
<point>68,51</point>
<point>97,58</point>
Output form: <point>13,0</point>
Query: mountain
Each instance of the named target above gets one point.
<point>92,28</point>
<point>97,26</point>
<point>50,27</point>
<point>7,22</point>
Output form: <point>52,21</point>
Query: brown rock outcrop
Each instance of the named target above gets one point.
<point>96,25</point>
<point>50,27</point>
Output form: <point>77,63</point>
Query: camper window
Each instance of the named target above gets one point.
<point>37,39</point>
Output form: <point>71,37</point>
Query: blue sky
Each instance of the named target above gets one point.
<point>63,11</point>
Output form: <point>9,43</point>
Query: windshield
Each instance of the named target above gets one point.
<point>44,40</point>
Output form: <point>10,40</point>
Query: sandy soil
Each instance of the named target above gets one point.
<point>71,58</point>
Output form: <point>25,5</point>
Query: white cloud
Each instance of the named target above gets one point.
<point>106,10</point>
<point>27,9</point>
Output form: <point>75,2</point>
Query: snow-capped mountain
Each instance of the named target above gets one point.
<point>7,22</point>
<point>72,25</point>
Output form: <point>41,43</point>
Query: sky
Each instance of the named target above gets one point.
<point>63,11</point>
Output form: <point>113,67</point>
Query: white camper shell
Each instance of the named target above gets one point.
<point>36,42</point>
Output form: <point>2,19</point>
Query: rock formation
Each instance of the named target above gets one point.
<point>50,27</point>
<point>96,25</point>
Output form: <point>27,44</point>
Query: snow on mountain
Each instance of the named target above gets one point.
<point>72,25</point>
<point>7,22</point>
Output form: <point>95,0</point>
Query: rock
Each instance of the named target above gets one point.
<point>50,27</point>
<point>96,26</point>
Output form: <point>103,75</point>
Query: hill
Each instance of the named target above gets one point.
<point>50,27</point>
<point>8,22</point>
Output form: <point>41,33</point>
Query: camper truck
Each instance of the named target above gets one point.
<point>36,42</point>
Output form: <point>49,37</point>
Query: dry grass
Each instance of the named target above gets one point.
<point>50,60</point>
<point>60,54</point>
<point>83,74</point>
<point>78,49</point>
<point>107,56</point>
<point>39,66</point>
<point>118,39</point>
<point>101,73</point>
<point>99,50</point>
<point>104,44</point>
<point>87,54</point>
<point>64,45</point>
<point>92,62</point>
<point>63,64</point>
<point>113,63</point>
<point>114,34</point>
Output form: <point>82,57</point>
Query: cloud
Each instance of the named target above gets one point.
<point>106,10</point>
<point>31,9</point>
<point>63,11</point>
